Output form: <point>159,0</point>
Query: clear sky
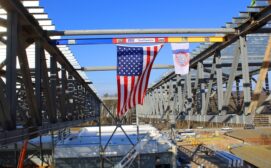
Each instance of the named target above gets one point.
<point>128,14</point>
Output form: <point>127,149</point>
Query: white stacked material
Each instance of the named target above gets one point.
<point>86,143</point>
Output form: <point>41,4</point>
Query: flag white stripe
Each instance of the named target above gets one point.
<point>140,78</point>
<point>144,78</point>
<point>126,107</point>
<point>134,93</point>
<point>152,57</point>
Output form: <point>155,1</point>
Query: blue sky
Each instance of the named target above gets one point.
<point>128,14</point>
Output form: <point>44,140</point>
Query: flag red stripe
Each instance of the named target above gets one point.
<point>118,83</point>
<point>140,94</point>
<point>145,79</point>
<point>125,94</point>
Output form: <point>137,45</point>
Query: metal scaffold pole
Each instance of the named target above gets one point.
<point>53,149</point>
<point>100,141</point>
<point>41,151</point>
<point>138,138</point>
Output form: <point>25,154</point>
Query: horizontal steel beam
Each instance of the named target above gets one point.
<point>23,133</point>
<point>142,31</point>
<point>113,68</point>
<point>138,40</point>
<point>228,118</point>
<point>156,66</point>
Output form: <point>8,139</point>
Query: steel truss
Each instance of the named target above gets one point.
<point>55,96</point>
<point>206,93</point>
<point>48,97</point>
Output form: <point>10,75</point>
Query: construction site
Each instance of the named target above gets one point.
<point>217,114</point>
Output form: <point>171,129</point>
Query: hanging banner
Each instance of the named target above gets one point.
<point>181,57</point>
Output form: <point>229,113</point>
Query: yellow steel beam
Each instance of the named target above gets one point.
<point>211,39</point>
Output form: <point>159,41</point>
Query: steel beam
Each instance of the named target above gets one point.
<point>231,78</point>
<point>63,97</point>
<point>20,134</point>
<point>5,117</point>
<point>267,88</point>
<point>189,93</point>
<point>160,100</point>
<point>219,82</point>
<point>113,68</point>
<point>12,42</point>
<point>245,73</point>
<point>2,64</point>
<point>28,84</point>
<point>238,96</point>
<point>172,104</point>
<point>202,86</point>
<point>53,78</point>
<point>210,85</point>
<point>51,110</point>
<point>38,78</point>
<point>71,89</point>
<point>142,31</point>
<point>180,94</point>
<point>36,30</point>
<point>138,40</point>
<point>264,105</point>
<point>223,119</point>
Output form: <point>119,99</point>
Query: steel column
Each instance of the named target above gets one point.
<point>245,73</point>
<point>202,87</point>
<point>5,117</point>
<point>51,110</point>
<point>172,99</point>
<point>210,85</point>
<point>238,95</point>
<point>53,149</point>
<point>219,82</point>
<point>231,78</point>
<point>267,88</point>
<point>53,76</point>
<point>28,84</point>
<point>38,77</point>
<point>12,42</point>
<point>189,93</point>
<point>180,94</point>
<point>63,100</point>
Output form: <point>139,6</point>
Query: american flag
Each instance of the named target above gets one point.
<point>134,67</point>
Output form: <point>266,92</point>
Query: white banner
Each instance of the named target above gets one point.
<point>181,57</point>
